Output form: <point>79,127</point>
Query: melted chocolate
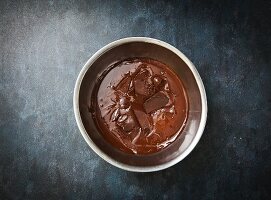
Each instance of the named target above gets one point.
<point>140,105</point>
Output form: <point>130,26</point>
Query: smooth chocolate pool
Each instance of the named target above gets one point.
<point>139,105</point>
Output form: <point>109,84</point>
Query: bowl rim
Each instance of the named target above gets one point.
<point>96,149</point>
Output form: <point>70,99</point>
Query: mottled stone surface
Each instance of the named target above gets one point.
<point>44,44</point>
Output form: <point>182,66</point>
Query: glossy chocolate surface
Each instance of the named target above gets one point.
<point>140,105</point>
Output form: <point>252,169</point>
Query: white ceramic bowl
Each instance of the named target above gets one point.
<point>161,51</point>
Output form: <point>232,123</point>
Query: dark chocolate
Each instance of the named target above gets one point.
<point>126,114</point>
<point>157,80</point>
<point>155,102</point>
<point>143,120</point>
<point>124,84</point>
<point>126,122</point>
<point>143,83</point>
<point>124,102</point>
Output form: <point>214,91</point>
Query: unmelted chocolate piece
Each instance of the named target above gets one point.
<point>143,120</point>
<point>157,80</point>
<point>122,118</point>
<point>156,101</point>
<point>115,115</point>
<point>124,84</point>
<point>163,85</point>
<point>127,122</point>
<point>124,102</point>
<point>143,84</point>
<point>160,83</point>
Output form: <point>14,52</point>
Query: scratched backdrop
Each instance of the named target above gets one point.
<point>43,46</point>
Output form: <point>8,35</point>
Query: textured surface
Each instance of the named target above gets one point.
<point>44,44</point>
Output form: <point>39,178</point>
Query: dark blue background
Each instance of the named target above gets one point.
<point>44,45</point>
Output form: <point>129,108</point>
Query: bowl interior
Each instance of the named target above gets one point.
<point>164,55</point>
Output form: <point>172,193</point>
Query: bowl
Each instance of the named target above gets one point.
<point>183,67</point>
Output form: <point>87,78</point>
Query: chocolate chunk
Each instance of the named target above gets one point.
<point>156,101</point>
<point>157,80</point>
<point>143,120</point>
<point>122,118</point>
<point>143,83</point>
<point>124,84</point>
<point>124,102</point>
<point>115,115</point>
<point>160,83</point>
<point>127,122</point>
<point>164,85</point>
